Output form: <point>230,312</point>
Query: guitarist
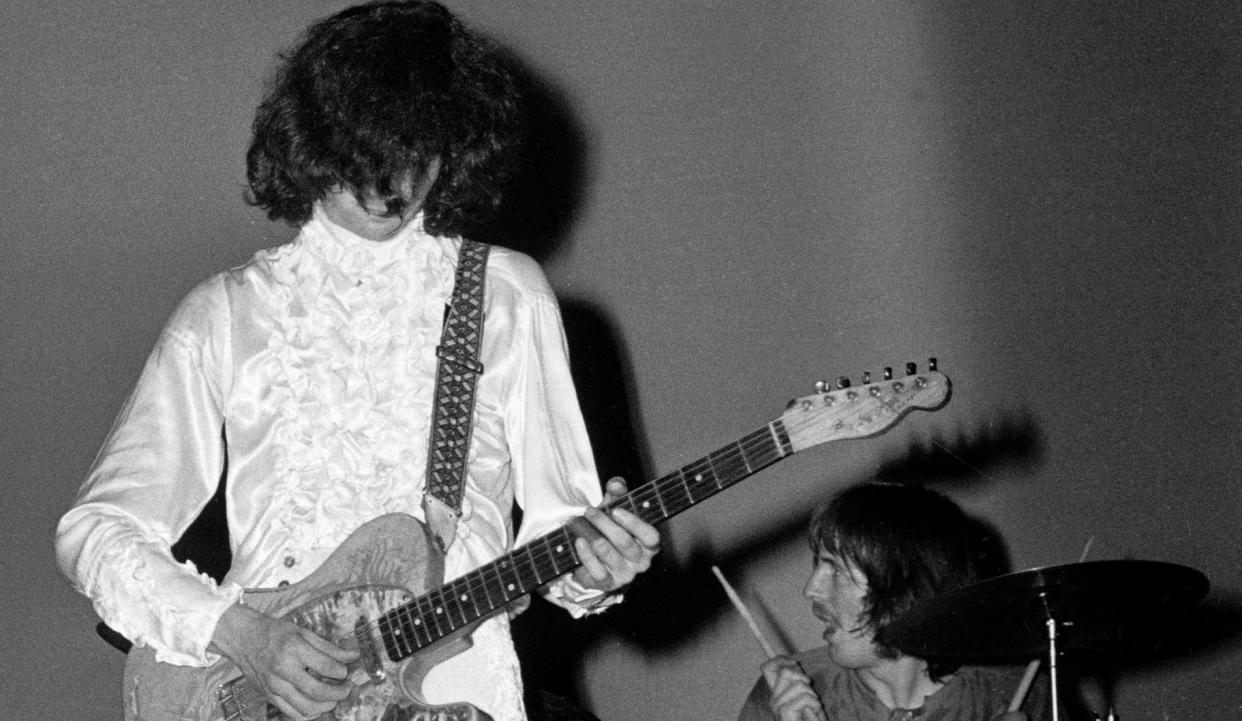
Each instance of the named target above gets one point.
<point>311,370</point>
<point>878,550</point>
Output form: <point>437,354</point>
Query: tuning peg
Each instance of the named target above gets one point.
<point>911,369</point>
<point>843,382</point>
<point>866,377</point>
<point>931,364</point>
<point>888,373</point>
<point>821,386</point>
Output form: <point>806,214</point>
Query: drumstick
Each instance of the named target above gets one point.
<point>807,714</point>
<point>1020,694</point>
<point>741,608</point>
<point>1033,666</point>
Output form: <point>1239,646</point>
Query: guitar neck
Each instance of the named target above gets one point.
<point>828,415</point>
<point>492,586</point>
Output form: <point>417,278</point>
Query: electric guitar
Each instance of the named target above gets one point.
<point>380,592</point>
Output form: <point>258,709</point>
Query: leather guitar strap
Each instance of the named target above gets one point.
<point>457,374</point>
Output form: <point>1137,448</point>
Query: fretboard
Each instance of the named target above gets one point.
<point>490,587</point>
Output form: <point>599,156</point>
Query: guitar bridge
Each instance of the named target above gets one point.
<point>239,701</point>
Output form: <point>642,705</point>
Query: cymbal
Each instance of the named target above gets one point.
<point>1099,606</point>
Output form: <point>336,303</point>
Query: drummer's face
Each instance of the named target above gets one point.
<point>836,590</point>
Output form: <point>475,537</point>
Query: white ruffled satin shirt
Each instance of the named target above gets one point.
<point>315,364</point>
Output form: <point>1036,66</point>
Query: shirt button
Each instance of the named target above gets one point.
<point>290,561</point>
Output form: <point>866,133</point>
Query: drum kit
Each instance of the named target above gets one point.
<point>1101,609</point>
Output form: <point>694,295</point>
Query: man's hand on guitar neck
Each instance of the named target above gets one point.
<point>616,546</point>
<point>301,673</point>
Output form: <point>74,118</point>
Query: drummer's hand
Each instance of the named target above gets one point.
<point>1012,716</point>
<point>619,548</point>
<point>793,699</point>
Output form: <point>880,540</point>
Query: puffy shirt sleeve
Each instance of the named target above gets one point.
<point>553,467</point>
<point>157,469</point>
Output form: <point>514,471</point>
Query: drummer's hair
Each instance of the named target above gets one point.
<point>910,543</point>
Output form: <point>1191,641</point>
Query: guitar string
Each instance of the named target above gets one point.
<point>540,559</point>
<point>473,583</point>
<point>470,585</point>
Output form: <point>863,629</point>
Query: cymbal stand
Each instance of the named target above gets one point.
<point>1052,667</point>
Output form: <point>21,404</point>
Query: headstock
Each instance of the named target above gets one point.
<point>841,410</point>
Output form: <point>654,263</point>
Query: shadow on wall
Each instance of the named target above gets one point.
<point>544,196</point>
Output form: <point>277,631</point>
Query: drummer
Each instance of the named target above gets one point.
<point>878,550</point>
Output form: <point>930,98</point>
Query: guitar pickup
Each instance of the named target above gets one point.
<point>369,656</point>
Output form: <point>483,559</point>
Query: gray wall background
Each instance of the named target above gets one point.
<point>742,198</point>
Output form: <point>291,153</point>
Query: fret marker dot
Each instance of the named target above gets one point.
<point>464,597</point>
<point>698,477</point>
<point>560,549</point>
<point>439,610</point>
<point>510,586</point>
<point>646,504</point>
<point>418,622</point>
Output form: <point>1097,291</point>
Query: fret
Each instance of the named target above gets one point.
<point>431,616</point>
<point>491,590</point>
<point>695,488</point>
<point>655,491</point>
<point>687,496</point>
<point>711,467</point>
<point>761,449</point>
<point>728,467</point>
<point>674,494</point>
<point>527,571</point>
<point>562,548</point>
<point>645,508</point>
<point>451,605</point>
<point>781,435</point>
<point>416,625</point>
<point>396,643</point>
<point>462,602</point>
<point>698,484</point>
<point>510,581</point>
<point>627,502</point>
<point>741,453</point>
<point>545,552</point>
<point>703,474</point>
<point>472,590</point>
<point>545,560</point>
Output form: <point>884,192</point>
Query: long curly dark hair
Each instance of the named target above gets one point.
<point>910,543</point>
<point>368,97</point>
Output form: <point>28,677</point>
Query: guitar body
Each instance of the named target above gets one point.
<point>382,565</point>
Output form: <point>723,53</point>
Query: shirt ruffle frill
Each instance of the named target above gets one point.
<point>352,367</point>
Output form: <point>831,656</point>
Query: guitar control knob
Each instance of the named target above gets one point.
<point>843,382</point>
<point>911,369</point>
